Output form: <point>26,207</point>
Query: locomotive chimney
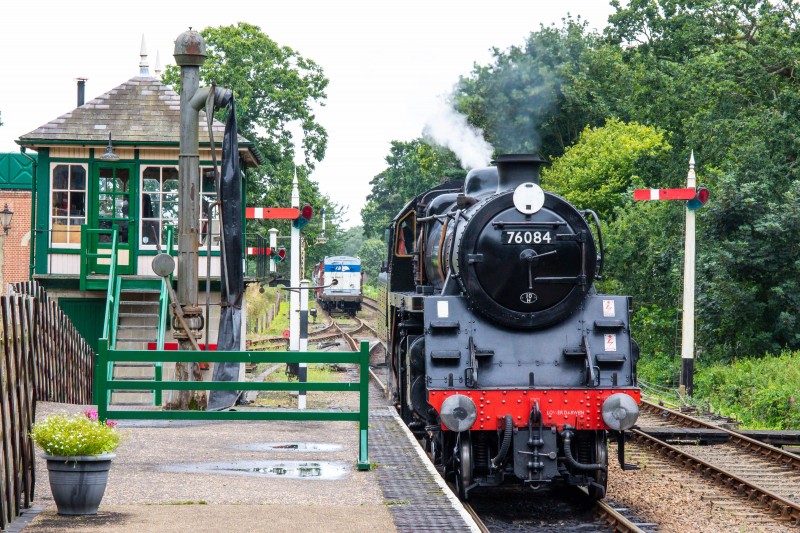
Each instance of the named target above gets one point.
<point>516,169</point>
<point>81,90</point>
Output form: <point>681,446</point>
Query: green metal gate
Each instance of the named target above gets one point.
<point>103,384</point>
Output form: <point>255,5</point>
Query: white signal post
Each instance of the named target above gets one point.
<point>697,197</point>
<point>687,337</point>
<point>273,245</point>
<point>303,314</point>
<point>294,276</point>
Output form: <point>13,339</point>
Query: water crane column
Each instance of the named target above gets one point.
<point>190,53</point>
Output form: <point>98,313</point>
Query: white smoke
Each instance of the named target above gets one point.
<point>449,128</point>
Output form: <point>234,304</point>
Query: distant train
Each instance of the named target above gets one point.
<point>502,355</point>
<point>338,281</point>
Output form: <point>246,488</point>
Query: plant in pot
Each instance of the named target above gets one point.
<point>78,453</point>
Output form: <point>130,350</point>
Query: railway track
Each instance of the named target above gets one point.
<point>369,303</point>
<point>604,516</point>
<point>765,476</point>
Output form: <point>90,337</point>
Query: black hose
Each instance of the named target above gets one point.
<point>567,435</point>
<point>501,455</point>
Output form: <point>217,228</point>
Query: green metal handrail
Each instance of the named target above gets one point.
<point>103,384</point>
<point>163,306</point>
<point>89,252</point>
<point>111,299</point>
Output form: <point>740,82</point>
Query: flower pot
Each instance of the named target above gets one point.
<point>78,483</point>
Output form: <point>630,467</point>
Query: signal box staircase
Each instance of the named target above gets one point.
<point>135,316</point>
<point>138,323</point>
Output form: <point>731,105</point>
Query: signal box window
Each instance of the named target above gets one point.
<point>159,204</point>
<point>208,198</point>
<point>67,204</point>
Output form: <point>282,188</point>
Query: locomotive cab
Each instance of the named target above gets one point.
<point>502,355</point>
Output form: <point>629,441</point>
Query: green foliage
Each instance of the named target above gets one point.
<point>275,87</point>
<point>598,171</point>
<point>761,393</point>
<point>372,253</point>
<point>521,100</point>
<point>74,435</point>
<point>352,239</point>
<point>413,167</point>
<point>258,302</point>
<point>716,77</point>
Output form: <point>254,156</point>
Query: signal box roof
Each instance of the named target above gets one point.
<point>140,112</point>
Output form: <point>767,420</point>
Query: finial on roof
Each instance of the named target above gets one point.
<point>144,68</point>
<point>691,160</point>
<point>157,68</point>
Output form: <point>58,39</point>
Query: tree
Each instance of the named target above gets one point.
<point>721,77</point>
<point>597,172</point>
<point>534,98</point>
<point>716,77</point>
<point>413,167</point>
<point>352,239</point>
<point>274,87</point>
<point>372,254</point>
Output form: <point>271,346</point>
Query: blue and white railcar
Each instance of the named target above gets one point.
<point>338,281</point>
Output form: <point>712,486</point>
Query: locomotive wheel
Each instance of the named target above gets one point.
<point>600,457</point>
<point>462,463</point>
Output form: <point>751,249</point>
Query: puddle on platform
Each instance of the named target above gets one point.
<point>330,470</point>
<point>290,447</point>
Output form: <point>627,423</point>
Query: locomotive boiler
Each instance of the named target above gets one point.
<point>502,356</point>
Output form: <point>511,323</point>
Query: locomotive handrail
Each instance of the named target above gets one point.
<point>435,217</point>
<point>501,224</point>
<point>601,261</point>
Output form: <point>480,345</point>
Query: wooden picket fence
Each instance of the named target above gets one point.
<point>42,357</point>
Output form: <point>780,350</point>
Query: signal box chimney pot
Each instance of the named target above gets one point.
<point>81,91</point>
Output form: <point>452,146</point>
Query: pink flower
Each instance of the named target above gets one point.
<point>791,399</point>
<point>91,414</point>
<point>111,423</point>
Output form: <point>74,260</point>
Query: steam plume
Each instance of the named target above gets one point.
<point>449,128</point>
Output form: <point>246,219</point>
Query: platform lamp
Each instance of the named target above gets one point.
<point>5,218</point>
<point>109,155</point>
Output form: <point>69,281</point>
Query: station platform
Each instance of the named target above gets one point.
<point>260,476</point>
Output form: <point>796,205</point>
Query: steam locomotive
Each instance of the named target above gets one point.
<point>502,356</point>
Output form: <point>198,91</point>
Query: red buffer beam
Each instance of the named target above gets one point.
<point>263,213</point>
<point>664,194</point>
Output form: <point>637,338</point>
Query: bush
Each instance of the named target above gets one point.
<point>73,435</point>
<point>761,393</point>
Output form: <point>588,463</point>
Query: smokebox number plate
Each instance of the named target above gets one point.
<point>526,237</point>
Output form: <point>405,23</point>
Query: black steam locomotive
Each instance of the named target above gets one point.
<point>501,354</point>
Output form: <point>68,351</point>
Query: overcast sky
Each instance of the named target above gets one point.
<point>387,61</point>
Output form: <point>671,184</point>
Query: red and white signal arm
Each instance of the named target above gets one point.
<point>264,213</point>
<point>695,197</point>
<point>664,194</point>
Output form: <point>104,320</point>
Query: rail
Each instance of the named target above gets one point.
<point>103,385</point>
<point>771,502</point>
